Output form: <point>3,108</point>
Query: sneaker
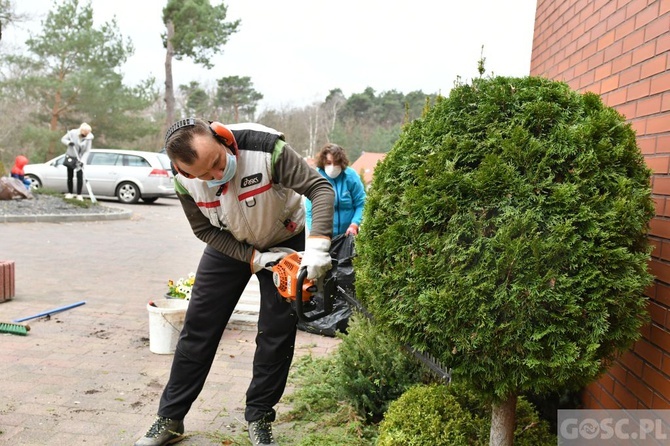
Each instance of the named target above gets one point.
<point>69,195</point>
<point>260,433</point>
<point>80,198</point>
<point>163,431</point>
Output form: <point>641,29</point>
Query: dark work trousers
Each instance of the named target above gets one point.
<point>80,179</point>
<point>219,283</point>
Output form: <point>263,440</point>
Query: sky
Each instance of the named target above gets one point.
<point>297,51</point>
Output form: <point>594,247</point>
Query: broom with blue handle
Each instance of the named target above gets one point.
<point>23,329</point>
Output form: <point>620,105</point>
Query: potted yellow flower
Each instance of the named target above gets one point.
<point>167,315</point>
<point>182,288</point>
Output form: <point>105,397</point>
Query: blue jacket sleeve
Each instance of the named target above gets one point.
<point>308,214</point>
<point>358,196</point>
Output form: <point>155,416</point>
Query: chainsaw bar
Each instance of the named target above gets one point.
<point>435,366</point>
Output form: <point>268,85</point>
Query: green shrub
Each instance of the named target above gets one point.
<point>506,234</point>
<point>427,415</point>
<point>373,369</point>
<point>355,385</point>
<point>317,391</point>
<point>321,416</point>
<point>453,415</point>
<point>531,430</point>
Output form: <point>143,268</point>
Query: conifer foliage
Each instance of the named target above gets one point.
<point>505,234</point>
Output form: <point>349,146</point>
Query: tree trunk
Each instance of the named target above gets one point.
<point>169,88</point>
<point>503,420</point>
<point>53,125</point>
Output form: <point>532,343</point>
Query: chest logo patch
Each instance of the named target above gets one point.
<point>251,180</point>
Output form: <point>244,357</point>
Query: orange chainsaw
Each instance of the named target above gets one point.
<point>292,284</point>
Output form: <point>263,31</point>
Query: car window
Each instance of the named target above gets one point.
<point>165,161</point>
<point>135,161</point>
<point>104,159</point>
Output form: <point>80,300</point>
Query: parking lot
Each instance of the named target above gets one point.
<point>86,375</point>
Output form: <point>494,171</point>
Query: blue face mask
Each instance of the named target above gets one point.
<point>228,172</point>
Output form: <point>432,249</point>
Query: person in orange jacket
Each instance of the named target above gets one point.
<point>17,171</point>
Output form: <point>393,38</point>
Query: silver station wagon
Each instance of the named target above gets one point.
<point>128,175</point>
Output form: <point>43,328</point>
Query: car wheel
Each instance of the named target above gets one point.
<point>35,182</point>
<point>150,200</point>
<point>128,193</point>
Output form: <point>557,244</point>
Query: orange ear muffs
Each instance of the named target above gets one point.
<point>223,134</point>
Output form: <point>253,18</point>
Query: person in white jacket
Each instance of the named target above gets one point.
<point>240,186</point>
<point>78,142</point>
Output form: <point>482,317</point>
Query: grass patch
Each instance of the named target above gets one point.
<point>56,194</point>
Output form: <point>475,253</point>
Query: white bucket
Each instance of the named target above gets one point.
<point>166,319</point>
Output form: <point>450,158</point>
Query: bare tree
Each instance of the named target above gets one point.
<point>334,101</point>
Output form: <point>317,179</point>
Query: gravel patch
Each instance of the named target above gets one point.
<point>42,205</point>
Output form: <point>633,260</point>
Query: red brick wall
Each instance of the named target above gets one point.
<point>620,49</point>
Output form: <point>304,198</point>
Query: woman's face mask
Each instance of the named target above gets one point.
<point>332,170</point>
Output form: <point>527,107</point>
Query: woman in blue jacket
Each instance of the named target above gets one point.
<point>333,164</point>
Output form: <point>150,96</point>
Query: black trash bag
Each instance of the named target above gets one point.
<point>341,249</point>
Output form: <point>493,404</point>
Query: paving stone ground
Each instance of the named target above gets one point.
<point>85,376</point>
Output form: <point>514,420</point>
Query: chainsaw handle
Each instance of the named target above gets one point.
<point>300,308</point>
<point>327,290</point>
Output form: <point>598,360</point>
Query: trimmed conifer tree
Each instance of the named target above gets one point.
<point>505,234</point>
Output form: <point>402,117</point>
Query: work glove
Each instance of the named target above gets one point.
<point>352,229</point>
<point>316,258</point>
<point>266,259</point>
